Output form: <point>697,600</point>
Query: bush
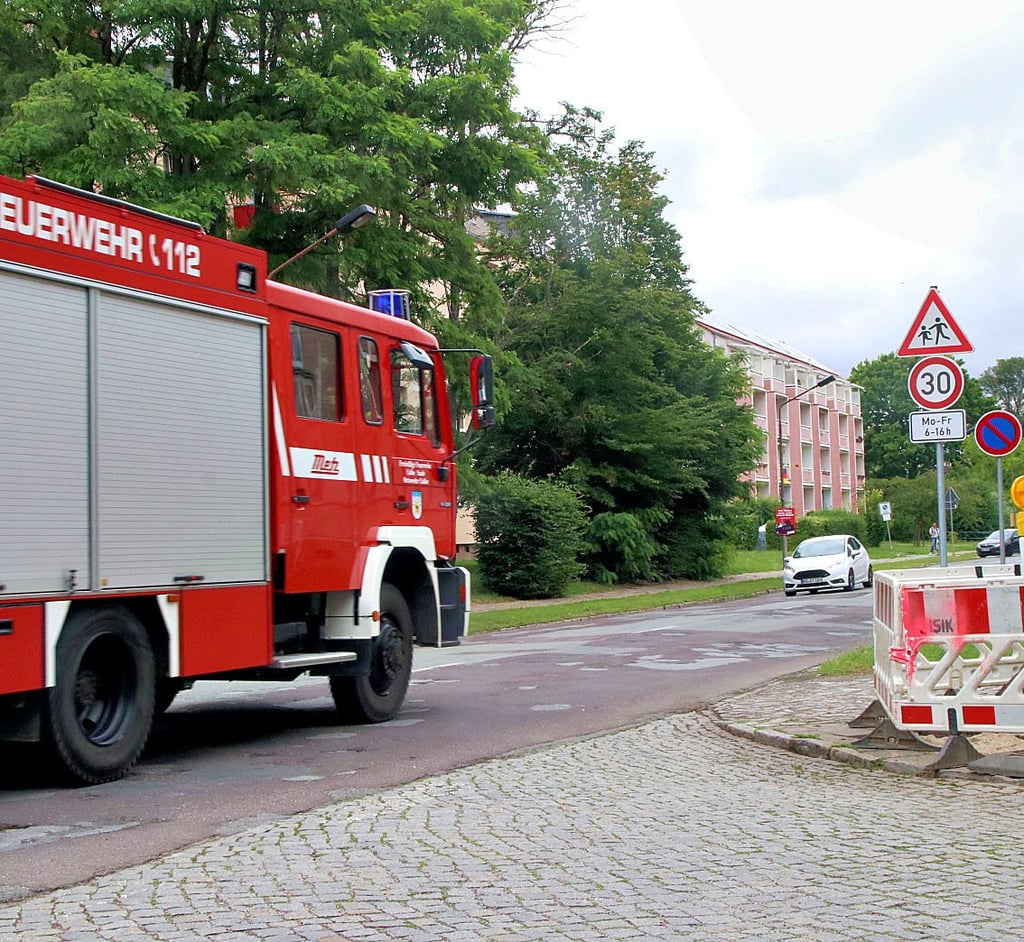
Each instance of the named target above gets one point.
<point>529,537</point>
<point>827,522</point>
<point>620,548</point>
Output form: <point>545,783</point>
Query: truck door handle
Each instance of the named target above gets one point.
<point>300,498</point>
<point>402,504</point>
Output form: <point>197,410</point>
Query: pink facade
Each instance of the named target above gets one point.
<point>814,436</point>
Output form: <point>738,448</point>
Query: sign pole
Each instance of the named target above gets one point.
<point>940,479</point>
<point>1002,524</point>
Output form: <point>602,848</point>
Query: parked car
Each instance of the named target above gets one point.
<point>990,545</point>
<point>840,561</point>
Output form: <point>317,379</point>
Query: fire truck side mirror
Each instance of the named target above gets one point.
<point>481,381</point>
<point>481,376</point>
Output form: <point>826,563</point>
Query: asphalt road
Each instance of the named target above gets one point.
<point>230,756</point>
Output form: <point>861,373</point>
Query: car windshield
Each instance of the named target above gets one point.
<point>821,546</point>
<point>1008,535</point>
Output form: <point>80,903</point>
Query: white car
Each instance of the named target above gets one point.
<point>827,562</point>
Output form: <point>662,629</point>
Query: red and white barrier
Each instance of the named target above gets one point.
<point>949,648</point>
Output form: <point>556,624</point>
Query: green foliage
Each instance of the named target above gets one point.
<point>1004,382</point>
<point>742,518</point>
<point>826,522</point>
<point>915,504</point>
<point>615,392</point>
<point>305,111</point>
<point>875,531</point>
<point>620,547</point>
<point>530,536</point>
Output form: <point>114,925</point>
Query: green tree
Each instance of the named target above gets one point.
<point>306,110</point>
<point>1004,382</point>
<point>886,405</point>
<point>617,395</point>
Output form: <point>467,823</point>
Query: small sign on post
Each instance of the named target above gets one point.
<point>948,426</point>
<point>885,509</point>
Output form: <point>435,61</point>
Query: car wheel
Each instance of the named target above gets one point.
<point>790,593</point>
<point>850,582</point>
<point>870,580</point>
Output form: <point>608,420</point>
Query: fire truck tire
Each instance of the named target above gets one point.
<point>100,711</point>
<point>377,696</point>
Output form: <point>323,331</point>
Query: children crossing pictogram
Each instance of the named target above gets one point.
<point>934,331</point>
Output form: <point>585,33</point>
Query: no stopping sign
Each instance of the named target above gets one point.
<point>997,433</point>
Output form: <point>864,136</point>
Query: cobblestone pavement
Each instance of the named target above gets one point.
<point>673,830</point>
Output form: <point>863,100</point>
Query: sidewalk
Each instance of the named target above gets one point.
<point>811,716</point>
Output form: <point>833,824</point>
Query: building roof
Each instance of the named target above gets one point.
<point>751,338</point>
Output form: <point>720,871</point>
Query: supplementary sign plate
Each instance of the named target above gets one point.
<point>947,426</point>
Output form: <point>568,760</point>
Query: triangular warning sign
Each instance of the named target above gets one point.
<point>934,331</point>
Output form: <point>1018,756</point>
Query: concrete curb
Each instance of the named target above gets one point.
<point>816,749</point>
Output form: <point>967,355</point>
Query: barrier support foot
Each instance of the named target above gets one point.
<point>886,736</point>
<point>872,715</point>
<point>956,753</point>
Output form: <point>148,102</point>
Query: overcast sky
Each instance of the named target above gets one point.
<point>827,163</point>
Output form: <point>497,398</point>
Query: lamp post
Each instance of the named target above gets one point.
<point>778,435</point>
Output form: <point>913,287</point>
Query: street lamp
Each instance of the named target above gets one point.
<point>353,219</point>
<point>778,435</point>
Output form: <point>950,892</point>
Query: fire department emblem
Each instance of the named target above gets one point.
<point>417,504</point>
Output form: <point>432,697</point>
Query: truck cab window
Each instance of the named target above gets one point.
<point>414,398</point>
<point>316,359</point>
<point>369,381</point>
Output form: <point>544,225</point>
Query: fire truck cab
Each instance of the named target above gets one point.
<point>205,474</point>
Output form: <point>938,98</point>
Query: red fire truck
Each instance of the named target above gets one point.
<point>205,474</point>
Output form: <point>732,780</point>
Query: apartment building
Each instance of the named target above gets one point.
<point>813,456</point>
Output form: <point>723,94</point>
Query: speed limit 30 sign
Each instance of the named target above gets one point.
<point>935,382</point>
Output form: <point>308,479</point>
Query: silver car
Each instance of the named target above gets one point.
<point>827,562</point>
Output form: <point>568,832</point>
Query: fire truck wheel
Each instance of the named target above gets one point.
<point>376,697</point>
<point>100,711</point>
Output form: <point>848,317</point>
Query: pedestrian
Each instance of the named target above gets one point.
<point>933,532</point>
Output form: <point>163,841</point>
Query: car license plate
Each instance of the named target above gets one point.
<point>815,581</point>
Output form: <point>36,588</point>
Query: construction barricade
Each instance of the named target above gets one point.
<point>949,648</point>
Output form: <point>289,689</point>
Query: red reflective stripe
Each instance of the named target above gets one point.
<point>915,624</point>
<point>980,715</point>
<point>971,611</point>
<point>916,714</point>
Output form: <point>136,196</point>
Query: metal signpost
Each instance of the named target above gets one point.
<point>935,383</point>
<point>885,509</point>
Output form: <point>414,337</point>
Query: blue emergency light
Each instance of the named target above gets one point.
<point>391,301</point>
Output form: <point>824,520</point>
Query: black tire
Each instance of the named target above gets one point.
<point>851,582</point>
<point>100,711</point>
<point>377,696</point>
<point>870,580</point>
<point>790,592</point>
